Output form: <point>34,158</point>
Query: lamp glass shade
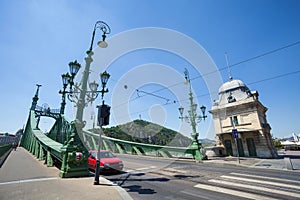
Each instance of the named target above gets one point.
<point>195,107</point>
<point>65,78</point>
<point>181,110</point>
<point>203,108</point>
<point>94,86</point>
<point>74,67</point>
<point>104,77</point>
<point>102,44</point>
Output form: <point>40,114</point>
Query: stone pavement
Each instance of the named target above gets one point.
<point>287,160</point>
<point>22,176</point>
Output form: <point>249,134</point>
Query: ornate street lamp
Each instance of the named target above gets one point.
<point>68,79</point>
<point>193,118</point>
<point>81,94</point>
<point>104,78</point>
<point>85,95</point>
<point>74,67</point>
<point>105,30</point>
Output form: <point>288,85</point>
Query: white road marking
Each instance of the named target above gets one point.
<point>259,188</point>
<point>145,168</point>
<point>194,195</point>
<point>264,177</point>
<point>141,169</point>
<point>27,181</point>
<point>263,182</point>
<point>232,192</point>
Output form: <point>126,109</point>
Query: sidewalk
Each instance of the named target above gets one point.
<point>288,160</point>
<point>22,176</point>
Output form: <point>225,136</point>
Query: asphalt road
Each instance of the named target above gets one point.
<point>151,178</point>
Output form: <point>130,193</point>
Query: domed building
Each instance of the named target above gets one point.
<point>240,122</point>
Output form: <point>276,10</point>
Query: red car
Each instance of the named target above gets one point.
<point>108,161</point>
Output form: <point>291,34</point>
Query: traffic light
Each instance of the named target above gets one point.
<point>103,115</point>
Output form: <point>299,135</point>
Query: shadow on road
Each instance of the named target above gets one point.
<point>139,189</point>
<point>138,177</point>
<point>179,176</point>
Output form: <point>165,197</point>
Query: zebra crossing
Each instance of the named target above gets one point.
<point>253,186</point>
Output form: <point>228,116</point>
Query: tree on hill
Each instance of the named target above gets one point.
<point>146,132</point>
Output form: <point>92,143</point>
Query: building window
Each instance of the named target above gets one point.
<point>234,121</point>
<point>230,98</point>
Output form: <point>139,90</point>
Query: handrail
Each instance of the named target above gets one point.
<point>134,143</point>
<point>45,140</point>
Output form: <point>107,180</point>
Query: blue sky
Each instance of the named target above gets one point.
<point>39,39</point>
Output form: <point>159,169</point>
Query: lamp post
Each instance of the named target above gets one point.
<point>79,93</point>
<point>103,119</point>
<point>193,118</point>
<point>235,136</point>
<point>92,95</point>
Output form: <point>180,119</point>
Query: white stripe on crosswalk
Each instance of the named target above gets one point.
<point>145,168</point>
<point>265,177</point>
<point>262,182</point>
<point>232,192</point>
<point>259,188</point>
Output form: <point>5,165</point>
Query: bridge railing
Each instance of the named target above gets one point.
<point>64,147</point>
<point>128,147</point>
<point>70,157</point>
<point>39,144</point>
<point>60,130</point>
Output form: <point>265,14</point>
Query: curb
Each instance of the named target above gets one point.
<point>122,192</point>
<point>4,157</point>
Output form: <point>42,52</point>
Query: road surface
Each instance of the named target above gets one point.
<point>151,178</point>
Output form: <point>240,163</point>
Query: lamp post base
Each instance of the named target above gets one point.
<point>197,151</point>
<point>97,172</point>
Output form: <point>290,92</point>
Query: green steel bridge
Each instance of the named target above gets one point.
<point>66,145</point>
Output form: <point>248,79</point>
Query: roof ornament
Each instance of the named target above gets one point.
<point>229,71</point>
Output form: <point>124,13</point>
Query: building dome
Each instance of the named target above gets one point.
<point>231,85</point>
<point>232,91</point>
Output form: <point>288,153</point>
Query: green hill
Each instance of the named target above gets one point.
<point>147,132</point>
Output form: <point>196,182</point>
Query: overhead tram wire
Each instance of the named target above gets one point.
<point>144,94</point>
<point>251,83</point>
<point>218,70</point>
<point>267,53</point>
<point>275,77</point>
<point>208,94</point>
<point>250,59</point>
<point>235,64</point>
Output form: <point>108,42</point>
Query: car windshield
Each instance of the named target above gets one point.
<point>106,155</point>
<point>103,155</point>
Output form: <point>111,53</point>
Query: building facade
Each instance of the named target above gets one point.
<point>239,108</point>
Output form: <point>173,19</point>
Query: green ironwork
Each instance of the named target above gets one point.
<point>193,118</point>
<point>71,165</point>
<point>64,144</point>
<point>45,148</point>
<point>61,145</point>
<point>128,147</point>
<point>35,98</point>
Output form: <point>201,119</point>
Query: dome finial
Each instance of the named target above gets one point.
<point>229,71</point>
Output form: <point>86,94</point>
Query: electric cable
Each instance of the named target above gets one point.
<point>218,70</point>
<point>208,94</point>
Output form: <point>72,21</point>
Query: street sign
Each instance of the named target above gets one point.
<point>235,133</point>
